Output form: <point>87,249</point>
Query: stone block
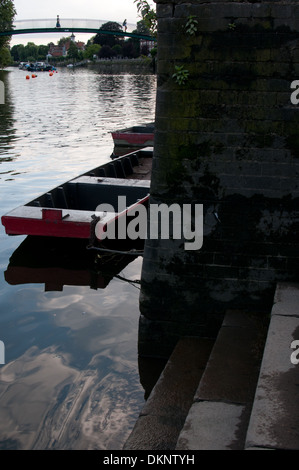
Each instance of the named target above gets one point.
<point>232,371</point>
<point>214,426</point>
<point>164,10</point>
<point>274,418</point>
<point>165,411</point>
<point>286,300</point>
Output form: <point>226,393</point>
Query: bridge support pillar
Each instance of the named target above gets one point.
<point>226,137</point>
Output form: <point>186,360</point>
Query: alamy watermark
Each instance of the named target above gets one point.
<point>295,93</point>
<point>160,221</point>
<point>295,355</point>
<point>2,93</point>
<point>2,353</point>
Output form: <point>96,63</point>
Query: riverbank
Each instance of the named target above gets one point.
<point>124,66</point>
<point>140,66</point>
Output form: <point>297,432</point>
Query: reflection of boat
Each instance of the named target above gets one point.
<point>56,262</point>
<point>69,210</point>
<point>136,136</point>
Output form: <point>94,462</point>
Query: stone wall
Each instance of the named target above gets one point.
<point>227,138</point>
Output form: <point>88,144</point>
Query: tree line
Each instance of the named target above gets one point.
<point>99,46</point>
<point>7,14</point>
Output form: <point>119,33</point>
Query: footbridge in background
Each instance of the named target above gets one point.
<point>68,25</point>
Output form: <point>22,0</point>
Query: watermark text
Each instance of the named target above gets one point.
<point>295,93</point>
<point>150,459</point>
<point>159,221</point>
<point>295,354</point>
<point>2,353</point>
<point>2,93</point>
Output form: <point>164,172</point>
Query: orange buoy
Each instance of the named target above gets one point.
<point>27,77</point>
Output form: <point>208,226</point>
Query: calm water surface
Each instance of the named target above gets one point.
<point>69,322</point>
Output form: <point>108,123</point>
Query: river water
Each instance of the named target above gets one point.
<point>68,321</point>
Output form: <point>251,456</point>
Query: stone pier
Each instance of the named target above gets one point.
<point>227,137</point>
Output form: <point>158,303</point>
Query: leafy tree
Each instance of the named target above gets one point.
<point>7,14</point>
<point>42,52</point>
<point>108,39</point>
<point>73,52</point>
<point>118,50</point>
<point>22,52</point>
<point>62,41</point>
<point>31,51</point>
<point>92,50</point>
<point>148,15</point>
<point>131,49</point>
<point>106,52</point>
<point>153,52</point>
<point>142,28</point>
<point>15,52</point>
<point>144,50</point>
<point>5,57</point>
<point>90,41</point>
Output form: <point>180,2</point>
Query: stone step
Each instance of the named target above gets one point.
<point>165,411</point>
<point>275,412</point>
<point>220,413</point>
<point>238,392</point>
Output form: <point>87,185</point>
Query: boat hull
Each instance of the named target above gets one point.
<point>69,210</point>
<point>136,136</point>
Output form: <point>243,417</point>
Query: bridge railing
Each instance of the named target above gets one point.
<point>68,23</point>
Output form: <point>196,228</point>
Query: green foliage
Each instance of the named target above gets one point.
<point>148,14</point>
<point>181,75</point>
<point>5,57</point>
<point>91,51</point>
<point>131,49</point>
<point>142,28</point>
<point>153,52</point>
<point>73,52</point>
<point>106,52</point>
<point>117,49</point>
<point>31,51</point>
<point>7,14</point>
<point>108,39</point>
<point>42,52</point>
<point>62,41</point>
<point>191,25</point>
<point>16,52</point>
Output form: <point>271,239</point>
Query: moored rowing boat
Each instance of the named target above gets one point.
<point>70,209</point>
<point>136,136</point>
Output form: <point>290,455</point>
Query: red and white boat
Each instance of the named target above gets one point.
<point>69,210</point>
<point>136,136</point>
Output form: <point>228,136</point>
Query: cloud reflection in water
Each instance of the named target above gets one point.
<point>81,391</point>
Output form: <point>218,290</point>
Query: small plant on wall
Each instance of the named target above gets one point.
<point>191,25</point>
<point>181,74</point>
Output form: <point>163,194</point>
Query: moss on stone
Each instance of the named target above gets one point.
<point>194,151</point>
<point>292,136</point>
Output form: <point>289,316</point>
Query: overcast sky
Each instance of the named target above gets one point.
<point>110,10</point>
